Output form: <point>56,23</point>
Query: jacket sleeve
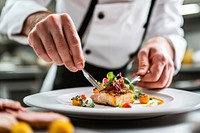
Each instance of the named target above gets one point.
<point>15,12</point>
<point>166,21</point>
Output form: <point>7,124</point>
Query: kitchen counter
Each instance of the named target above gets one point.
<point>190,68</point>
<point>176,123</point>
<point>188,77</point>
<point>15,78</point>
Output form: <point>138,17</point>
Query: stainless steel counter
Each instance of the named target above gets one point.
<point>19,78</point>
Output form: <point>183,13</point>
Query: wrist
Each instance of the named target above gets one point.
<point>169,47</point>
<point>32,20</point>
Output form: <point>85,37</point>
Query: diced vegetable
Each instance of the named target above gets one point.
<point>83,96</point>
<point>76,102</point>
<point>105,80</point>
<point>81,100</point>
<point>126,105</point>
<point>120,105</point>
<point>144,98</point>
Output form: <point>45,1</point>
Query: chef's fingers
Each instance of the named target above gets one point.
<point>73,41</point>
<point>143,61</point>
<point>64,53</point>
<point>61,43</point>
<point>7,120</point>
<point>158,62</point>
<point>171,73</point>
<point>161,83</point>
<point>47,41</point>
<point>6,103</point>
<point>37,46</point>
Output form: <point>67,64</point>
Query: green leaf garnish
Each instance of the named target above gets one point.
<point>138,94</point>
<point>92,105</point>
<point>110,75</point>
<point>126,81</point>
<point>131,86</point>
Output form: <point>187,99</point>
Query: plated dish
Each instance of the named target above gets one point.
<point>176,101</point>
<point>116,91</point>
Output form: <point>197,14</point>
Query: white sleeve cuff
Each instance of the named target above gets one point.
<point>179,45</point>
<point>13,19</point>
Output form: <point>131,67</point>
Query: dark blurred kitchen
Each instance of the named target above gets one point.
<point>22,72</point>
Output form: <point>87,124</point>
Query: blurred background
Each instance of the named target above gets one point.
<point>22,73</point>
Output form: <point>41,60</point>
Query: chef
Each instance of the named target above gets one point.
<point>99,36</point>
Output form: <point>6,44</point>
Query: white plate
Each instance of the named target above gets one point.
<point>176,101</point>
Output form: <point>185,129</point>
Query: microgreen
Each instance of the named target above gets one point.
<point>138,94</point>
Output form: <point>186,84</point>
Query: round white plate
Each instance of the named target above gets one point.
<point>176,101</point>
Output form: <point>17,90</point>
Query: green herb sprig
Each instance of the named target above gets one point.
<point>138,94</point>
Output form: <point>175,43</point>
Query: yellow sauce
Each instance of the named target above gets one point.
<point>161,101</point>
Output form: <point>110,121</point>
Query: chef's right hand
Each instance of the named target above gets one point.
<point>54,39</point>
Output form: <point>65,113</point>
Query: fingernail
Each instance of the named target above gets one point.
<point>79,66</point>
<point>141,70</point>
<point>59,64</point>
<point>73,69</point>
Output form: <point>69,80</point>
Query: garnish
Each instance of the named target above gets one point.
<point>161,101</point>
<point>118,82</point>
<point>120,105</point>
<point>131,86</point>
<point>144,98</point>
<point>118,92</point>
<point>125,105</point>
<point>137,95</point>
<point>110,75</point>
<point>81,100</point>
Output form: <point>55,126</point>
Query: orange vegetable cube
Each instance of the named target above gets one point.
<point>76,102</point>
<point>144,98</point>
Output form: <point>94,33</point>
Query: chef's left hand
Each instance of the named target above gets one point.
<point>155,63</point>
<point>10,104</point>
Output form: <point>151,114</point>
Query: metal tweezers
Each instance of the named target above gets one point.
<point>93,81</point>
<point>135,80</point>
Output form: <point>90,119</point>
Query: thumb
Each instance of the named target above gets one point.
<point>143,62</point>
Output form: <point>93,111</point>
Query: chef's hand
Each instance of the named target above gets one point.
<point>10,104</point>
<point>54,39</point>
<point>156,63</point>
<point>6,122</point>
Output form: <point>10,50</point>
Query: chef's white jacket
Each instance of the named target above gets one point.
<point>110,39</point>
